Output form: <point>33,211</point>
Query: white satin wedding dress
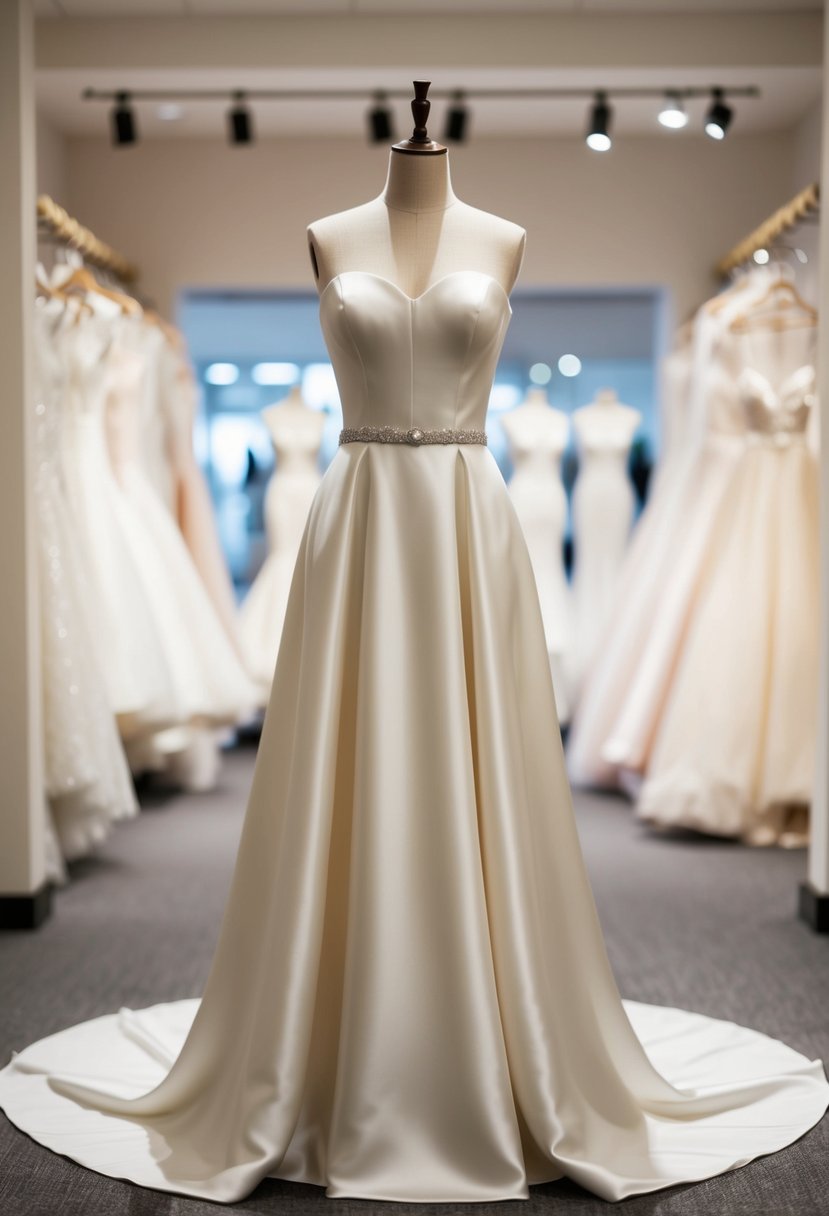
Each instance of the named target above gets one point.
<point>410,997</point>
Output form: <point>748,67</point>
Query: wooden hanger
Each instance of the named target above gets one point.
<point>82,279</point>
<point>780,307</point>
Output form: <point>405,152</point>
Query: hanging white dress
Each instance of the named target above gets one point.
<point>410,997</point>
<point>624,684</point>
<point>537,438</point>
<point>296,432</point>
<point>129,648</point>
<point>86,776</point>
<point>210,685</point>
<point>193,505</point>
<point>751,655</point>
<point>603,506</point>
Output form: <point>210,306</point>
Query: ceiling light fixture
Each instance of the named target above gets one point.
<point>169,111</point>
<point>457,117</point>
<point>124,126</point>
<point>598,134</point>
<point>718,118</point>
<point>673,114</point>
<point>239,121</point>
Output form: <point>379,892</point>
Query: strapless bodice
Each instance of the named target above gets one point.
<point>777,415</point>
<point>426,361</point>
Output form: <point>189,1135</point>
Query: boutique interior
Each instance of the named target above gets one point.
<point>171,410</point>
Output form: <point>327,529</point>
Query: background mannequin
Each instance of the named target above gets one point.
<point>602,517</point>
<point>296,432</point>
<point>537,436</point>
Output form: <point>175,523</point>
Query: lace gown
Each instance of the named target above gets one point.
<point>410,997</point>
<point>752,649</point>
<point>87,779</point>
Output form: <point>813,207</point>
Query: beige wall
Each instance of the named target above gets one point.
<point>806,147</point>
<point>653,211</point>
<point>51,160</point>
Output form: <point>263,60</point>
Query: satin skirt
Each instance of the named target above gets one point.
<point>410,998</point>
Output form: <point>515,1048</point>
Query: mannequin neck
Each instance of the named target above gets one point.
<point>536,396</point>
<point>418,182</point>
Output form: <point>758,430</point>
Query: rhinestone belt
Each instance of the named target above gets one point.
<point>414,435</point>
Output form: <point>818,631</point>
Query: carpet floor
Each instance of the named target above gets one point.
<point>698,923</point>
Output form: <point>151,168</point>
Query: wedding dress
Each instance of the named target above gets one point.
<point>127,642</point>
<point>296,431</point>
<point>603,507</point>
<point>209,682</point>
<point>86,776</point>
<point>752,649</point>
<point>410,997</point>
<point>537,437</point>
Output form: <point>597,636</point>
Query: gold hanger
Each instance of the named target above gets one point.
<point>788,310</point>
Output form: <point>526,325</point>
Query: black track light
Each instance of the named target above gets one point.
<point>124,128</point>
<point>239,121</point>
<point>379,120</point>
<point>457,116</point>
<point>598,131</point>
<point>718,118</point>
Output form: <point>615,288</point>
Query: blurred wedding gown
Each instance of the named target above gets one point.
<point>210,686</point>
<point>128,641</point>
<point>87,780</point>
<point>537,437</point>
<point>603,506</point>
<point>751,654</point>
<point>296,431</point>
<point>410,998</point>
<point>626,685</point>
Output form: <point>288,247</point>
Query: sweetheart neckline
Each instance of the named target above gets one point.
<point>414,299</point>
<point>777,391</point>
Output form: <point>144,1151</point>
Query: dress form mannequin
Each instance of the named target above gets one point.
<point>537,436</point>
<point>417,230</point>
<point>602,516</point>
<point>296,432</point>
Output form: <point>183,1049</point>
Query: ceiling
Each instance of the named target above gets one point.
<point>243,8</point>
<point>789,85</point>
<point>786,94</point>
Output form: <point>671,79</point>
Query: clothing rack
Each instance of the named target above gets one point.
<point>804,204</point>
<point>55,220</point>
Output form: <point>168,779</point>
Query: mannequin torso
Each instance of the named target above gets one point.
<point>416,233</point>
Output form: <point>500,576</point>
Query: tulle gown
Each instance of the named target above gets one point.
<point>86,776</point>
<point>410,997</point>
<point>752,653</point>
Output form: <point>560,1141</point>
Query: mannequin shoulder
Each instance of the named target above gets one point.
<point>330,233</point>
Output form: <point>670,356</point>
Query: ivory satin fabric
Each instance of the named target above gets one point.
<point>410,998</point>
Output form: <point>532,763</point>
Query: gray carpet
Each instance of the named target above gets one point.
<point>697,923</point>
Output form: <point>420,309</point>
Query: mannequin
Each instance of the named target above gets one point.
<point>602,517</point>
<point>537,436</point>
<point>296,432</point>
<point>417,230</point>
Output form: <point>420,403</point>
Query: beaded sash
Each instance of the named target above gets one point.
<point>415,435</point>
